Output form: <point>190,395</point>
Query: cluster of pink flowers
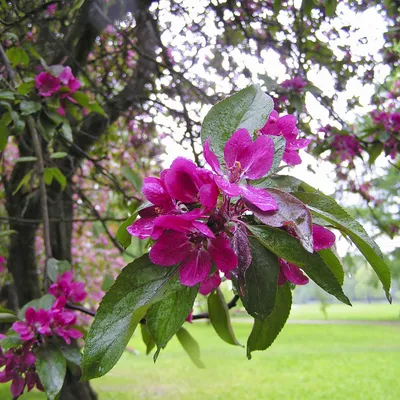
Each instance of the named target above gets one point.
<point>346,147</point>
<point>390,122</point>
<point>296,84</point>
<point>64,84</point>
<point>195,212</point>
<point>38,325</point>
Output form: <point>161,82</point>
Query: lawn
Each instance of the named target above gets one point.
<point>306,362</point>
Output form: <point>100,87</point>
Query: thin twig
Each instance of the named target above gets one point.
<point>81,309</point>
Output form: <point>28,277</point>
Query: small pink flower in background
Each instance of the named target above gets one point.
<point>2,263</point>
<point>47,84</point>
<point>68,79</point>
<point>297,84</point>
<point>286,126</point>
<point>50,10</point>
<point>346,147</point>
<point>244,159</point>
<point>322,239</point>
<point>210,283</point>
<point>36,322</point>
<point>66,287</point>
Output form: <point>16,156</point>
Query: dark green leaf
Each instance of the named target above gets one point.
<point>241,247</point>
<point>3,135</point>
<point>46,126</point>
<point>147,339</point>
<point>108,281</point>
<point>51,367</point>
<point>292,212</point>
<point>265,332</point>
<point>7,95</point>
<point>374,151</point>
<point>332,261</point>
<point>330,7</point>
<point>67,131</point>
<point>248,109</point>
<point>57,267</point>
<point>164,318</point>
<point>279,149</point>
<point>191,347</point>
<point>54,116</point>
<point>281,182</point>
<point>25,87</point>
<point>29,107</point>
<point>71,353</point>
<point>139,285</point>
<point>290,249</point>
<point>6,310</point>
<point>261,281</point>
<point>328,209</point>
<point>220,318</point>
<point>307,6</point>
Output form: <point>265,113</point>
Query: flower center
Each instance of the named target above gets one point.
<point>235,171</point>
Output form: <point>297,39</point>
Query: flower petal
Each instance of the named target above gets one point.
<point>17,386</point>
<point>210,283</point>
<point>238,148</point>
<point>293,273</point>
<point>259,197</point>
<point>211,158</point>
<point>222,254</point>
<point>195,268</point>
<point>208,195</point>
<point>291,157</point>
<point>231,189</point>
<point>262,155</point>
<point>171,248</point>
<point>155,191</point>
<point>142,228</point>
<point>323,238</point>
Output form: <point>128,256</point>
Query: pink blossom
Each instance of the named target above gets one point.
<point>192,245</point>
<point>51,9</point>
<point>66,287</point>
<point>322,239</point>
<point>68,79</point>
<point>346,147</point>
<point>286,126</point>
<point>296,84</point>
<point>210,283</point>
<point>2,263</point>
<point>244,159</point>
<point>36,322</point>
<point>47,84</point>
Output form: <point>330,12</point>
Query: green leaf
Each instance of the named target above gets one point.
<point>191,347</point>
<point>108,281</point>
<point>25,87</point>
<point>328,209</point>
<point>29,107</point>
<point>290,249</point>
<point>46,301</point>
<point>47,127</point>
<point>133,178</point>
<point>279,149</point>
<point>26,159</point>
<point>11,340</point>
<point>247,109</point>
<point>374,152</point>
<point>6,318</point>
<point>123,237</point>
<point>71,353</point>
<point>164,318</point>
<point>281,182</point>
<point>67,131</point>
<point>48,176</point>
<point>54,116</point>
<point>59,154</point>
<point>332,261</point>
<point>139,285</point>
<point>33,303</point>
<point>82,99</point>
<point>57,267</point>
<point>265,332</point>
<point>8,232</point>
<point>147,339</point>
<point>261,281</point>
<point>7,95</point>
<point>16,56</point>
<point>51,367</point>
<point>59,177</point>
<point>307,6</point>
<point>24,181</point>
<point>6,310</point>
<point>291,212</point>
<point>3,135</point>
<point>220,318</point>
<point>330,7</point>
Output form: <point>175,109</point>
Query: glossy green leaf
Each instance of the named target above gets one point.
<point>123,237</point>
<point>248,108</point>
<point>29,107</point>
<point>11,340</point>
<point>51,367</point>
<point>290,249</point>
<point>6,318</point>
<point>220,318</point>
<point>164,318</point>
<point>261,281</point>
<point>332,261</point>
<point>59,154</point>
<point>139,285</point>
<point>191,347</point>
<point>7,95</point>
<point>265,332</point>
<point>48,176</point>
<point>147,339</point>
<point>67,131</point>
<point>57,267</point>
<point>71,353</point>
<point>328,209</point>
<point>279,149</point>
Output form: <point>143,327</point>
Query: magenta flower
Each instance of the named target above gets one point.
<point>322,239</point>
<point>36,322</point>
<point>346,147</point>
<point>2,263</point>
<point>68,79</point>
<point>286,126</point>
<point>296,84</point>
<point>50,10</point>
<point>155,191</point>
<point>66,287</point>
<point>192,245</point>
<point>210,283</point>
<point>244,159</point>
<point>62,321</point>
<point>47,84</point>
<point>189,318</point>
<point>187,183</point>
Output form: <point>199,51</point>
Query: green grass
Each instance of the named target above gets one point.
<point>306,362</point>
